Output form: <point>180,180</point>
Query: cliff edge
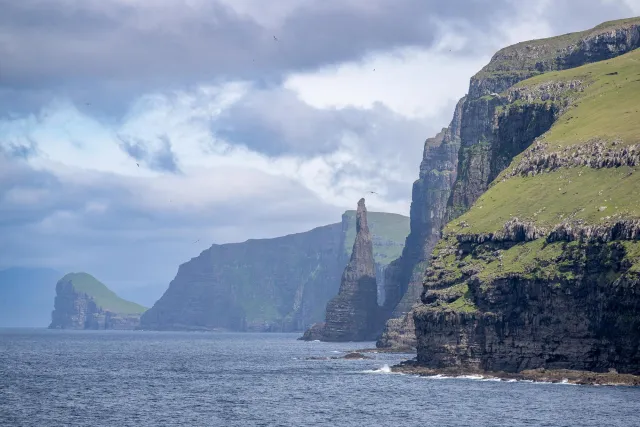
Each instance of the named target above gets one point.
<point>539,265</point>
<point>494,123</point>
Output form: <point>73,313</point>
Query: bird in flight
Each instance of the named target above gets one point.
<point>138,164</point>
<point>373,192</point>
<point>197,241</point>
<point>275,38</point>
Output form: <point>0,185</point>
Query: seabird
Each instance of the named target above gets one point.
<point>275,38</point>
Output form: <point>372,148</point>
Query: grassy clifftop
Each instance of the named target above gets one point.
<point>538,56</point>
<point>103,296</point>
<point>583,168</point>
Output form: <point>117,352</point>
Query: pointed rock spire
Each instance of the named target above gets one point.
<point>352,314</point>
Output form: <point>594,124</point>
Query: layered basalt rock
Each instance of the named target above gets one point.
<point>561,305</point>
<point>354,315</point>
<point>541,158</point>
<point>516,285</point>
<point>496,122</point>
<point>403,282</point>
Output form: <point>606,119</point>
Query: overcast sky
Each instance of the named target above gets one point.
<point>136,133</point>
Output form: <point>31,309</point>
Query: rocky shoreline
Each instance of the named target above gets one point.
<point>393,350</point>
<point>566,376</point>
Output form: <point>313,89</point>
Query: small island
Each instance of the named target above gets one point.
<point>83,302</point>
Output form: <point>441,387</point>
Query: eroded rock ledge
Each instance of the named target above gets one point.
<point>517,231</point>
<point>595,154</point>
<point>514,230</point>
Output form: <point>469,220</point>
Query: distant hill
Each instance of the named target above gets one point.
<point>279,284</point>
<point>26,296</point>
<point>104,297</point>
<point>83,302</point>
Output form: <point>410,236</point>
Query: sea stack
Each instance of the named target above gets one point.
<point>352,315</point>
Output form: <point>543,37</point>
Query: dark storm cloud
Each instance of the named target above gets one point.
<point>81,47</point>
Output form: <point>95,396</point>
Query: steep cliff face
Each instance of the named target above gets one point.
<point>353,314</point>
<point>82,302</point>
<point>540,268</point>
<point>403,281</point>
<point>496,122</point>
<point>280,284</point>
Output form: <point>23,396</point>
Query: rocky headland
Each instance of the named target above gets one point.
<point>82,302</point>
<point>495,134</point>
<point>536,274</point>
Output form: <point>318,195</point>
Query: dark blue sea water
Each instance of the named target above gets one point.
<point>91,378</point>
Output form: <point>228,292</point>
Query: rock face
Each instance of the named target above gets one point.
<point>403,281</point>
<point>82,302</point>
<point>539,265</point>
<point>314,333</point>
<point>353,315</point>
<point>280,284</point>
<point>495,122</point>
<point>574,306</point>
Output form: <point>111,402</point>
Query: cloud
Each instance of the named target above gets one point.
<point>144,226</point>
<point>588,14</point>
<point>104,53</point>
<point>278,122</point>
<point>163,159</point>
<point>141,132</point>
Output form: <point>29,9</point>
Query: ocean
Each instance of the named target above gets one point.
<point>140,378</point>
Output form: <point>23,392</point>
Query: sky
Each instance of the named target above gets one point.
<point>134,134</point>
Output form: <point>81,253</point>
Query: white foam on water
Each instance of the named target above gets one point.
<point>385,369</point>
<point>471,377</point>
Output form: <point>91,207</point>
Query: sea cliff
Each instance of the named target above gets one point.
<point>497,122</point>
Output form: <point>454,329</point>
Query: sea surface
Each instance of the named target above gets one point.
<point>139,378</point>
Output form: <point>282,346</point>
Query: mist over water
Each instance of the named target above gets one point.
<point>114,378</point>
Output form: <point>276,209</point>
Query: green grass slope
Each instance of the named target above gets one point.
<point>388,232</point>
<point>607,110</point>
<point>103,296</point>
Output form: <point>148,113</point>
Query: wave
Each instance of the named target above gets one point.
<point>385,369</point>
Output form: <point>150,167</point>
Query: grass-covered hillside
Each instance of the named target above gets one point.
<point>600,124</point>
<point>103,296</point>
<point>581,174</point>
